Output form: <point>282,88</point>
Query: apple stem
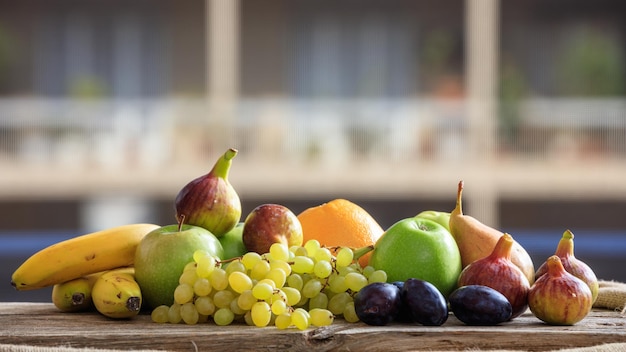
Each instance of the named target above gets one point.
<point>181,220</point>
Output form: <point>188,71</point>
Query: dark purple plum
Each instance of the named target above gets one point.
<point>378,303</point>
<point>404,315</point>
<point>480,305</point>
<point>425,302</point>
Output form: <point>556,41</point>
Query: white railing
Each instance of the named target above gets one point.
<point>575,113</point>
<point>156,131</point>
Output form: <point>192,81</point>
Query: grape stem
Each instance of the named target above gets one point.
<point>227,260</point>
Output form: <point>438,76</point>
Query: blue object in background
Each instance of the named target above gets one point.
<point>586,242</point>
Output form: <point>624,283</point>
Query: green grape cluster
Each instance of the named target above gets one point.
<point>298,286</point>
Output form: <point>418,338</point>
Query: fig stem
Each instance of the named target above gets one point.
<point>555,266</point>
<point>566,245</point>
<point>222,165</point>
<point>503,247</point>
<point>568,234</point>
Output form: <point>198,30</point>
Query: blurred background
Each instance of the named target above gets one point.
<point>109,107</point>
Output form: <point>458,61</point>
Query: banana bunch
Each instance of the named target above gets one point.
<point>114,293</point>
<point>92,270</point>
<point>75,295</point>
<point>80,256</point>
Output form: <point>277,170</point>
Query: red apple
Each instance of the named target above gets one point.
<point>268,224</point>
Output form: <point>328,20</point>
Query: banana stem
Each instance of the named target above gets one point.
<point>133,304</point>
<point>78,298</point>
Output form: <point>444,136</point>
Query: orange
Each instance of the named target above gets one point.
<point>340,223</point>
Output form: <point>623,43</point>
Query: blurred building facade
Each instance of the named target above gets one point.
<point>108,107</point>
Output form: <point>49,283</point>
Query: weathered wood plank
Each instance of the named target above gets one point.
<point>41,324</point>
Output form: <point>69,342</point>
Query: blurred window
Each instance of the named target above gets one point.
<point>356,55</point>
<point>99,52</point>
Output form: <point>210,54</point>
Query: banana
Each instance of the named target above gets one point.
<point>116,294</point>
<point>79,256</point>
<point>75,295</point>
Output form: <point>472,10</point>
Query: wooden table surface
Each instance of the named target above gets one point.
<point>41,324</point>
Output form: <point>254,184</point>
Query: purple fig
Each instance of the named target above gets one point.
<point>565,252</point>
<point>558,297</point>
<point>210,201</point>
<point>498,272</point>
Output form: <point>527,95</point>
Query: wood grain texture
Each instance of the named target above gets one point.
<point>41,324</point>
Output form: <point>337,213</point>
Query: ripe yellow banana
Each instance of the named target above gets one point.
<point>116,294</point>
<point>79,256</point>
<point>75,295</point>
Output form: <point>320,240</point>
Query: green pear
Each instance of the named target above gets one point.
<point>440,217</point>
<point>418,248</point>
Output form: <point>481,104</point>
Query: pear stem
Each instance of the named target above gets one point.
<point>359,252</point>
<point>459,203</point>
<point>222,166</point>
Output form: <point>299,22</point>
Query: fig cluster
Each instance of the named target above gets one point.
<point>566,287</point>
<point>562,292</point>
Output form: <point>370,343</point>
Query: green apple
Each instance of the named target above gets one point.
<point>440,217</point>
<point>162,255</point>
<point>232,242</point>
<point>418,248</point>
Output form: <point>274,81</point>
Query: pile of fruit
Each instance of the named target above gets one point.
<point>296,271</point>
